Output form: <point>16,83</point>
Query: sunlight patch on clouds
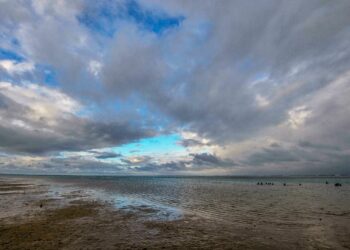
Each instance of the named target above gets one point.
<point>95,67</point>
<point>44,102</point>
<point>262,101</point>
<point>13,67</point>
<point>298,116</point>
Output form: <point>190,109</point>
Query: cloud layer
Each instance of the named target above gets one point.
<point>251,88</point>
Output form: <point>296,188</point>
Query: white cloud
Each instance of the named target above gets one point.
<point>43,102</point>
<point>261,101</point>
<point>95,67</point>
<point>298,116</point>
<point>13,67</point>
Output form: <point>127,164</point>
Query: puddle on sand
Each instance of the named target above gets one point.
<point>147,209</point>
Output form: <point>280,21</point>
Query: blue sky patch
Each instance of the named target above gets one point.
<point>152,146</point>
<point>103,17</point>
<point>10,55</point>
<point>152,21</point>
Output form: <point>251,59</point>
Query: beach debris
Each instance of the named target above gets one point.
<point>337,184</point>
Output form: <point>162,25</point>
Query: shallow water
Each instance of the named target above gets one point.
<point>225,199</point>
<point>312,215</point>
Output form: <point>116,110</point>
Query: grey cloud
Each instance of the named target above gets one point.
<point>134,64</point>
<point>169,167</point>
<point>211,86</point>
<point>192,143</point>
<point>106,155</point>
<point>306,144</point>
<point>138,160</point>
<point>69,132</point>
<point>198,163</point>
<point>70,165</point>
<point>213,160</point>
<point>268,156</point>
<point>231,72</point>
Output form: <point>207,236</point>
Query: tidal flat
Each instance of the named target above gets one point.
<point>88,213</point>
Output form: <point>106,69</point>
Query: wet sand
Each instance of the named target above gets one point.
<point>32,218</point>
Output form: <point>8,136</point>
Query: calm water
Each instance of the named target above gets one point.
<point>226,199</point>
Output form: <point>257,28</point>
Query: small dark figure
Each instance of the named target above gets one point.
<point>326,182</point>
<point>299,184</point>
<point>41,205</point>
<point>273,184</point>
<point>284,184</point>
<point>337,184</point>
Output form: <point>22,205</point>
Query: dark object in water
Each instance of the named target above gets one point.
<point>326,182</point>
<point>299,184</point>
<point>41,205</point>
<point>337,184</point>
<point>284,184</point>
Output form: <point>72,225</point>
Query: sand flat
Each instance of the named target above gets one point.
<point>36,219</point>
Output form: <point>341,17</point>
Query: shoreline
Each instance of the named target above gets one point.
<point>32,217</point>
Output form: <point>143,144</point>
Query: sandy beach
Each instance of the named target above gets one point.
<point>32,217</point>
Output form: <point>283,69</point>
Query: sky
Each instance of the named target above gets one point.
<point>151,87</point>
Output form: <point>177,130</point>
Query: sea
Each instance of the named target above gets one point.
<point>223,199</point>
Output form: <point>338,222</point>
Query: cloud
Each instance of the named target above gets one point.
<point>267,85</point>
<point>192,143</point>
<point>106,155</point>
<point>210,159</point>
<point>271,156</point>
<point>70,165</point>
<point>11,67</point>
<point>36,119</point>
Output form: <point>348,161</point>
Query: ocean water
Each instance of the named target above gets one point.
<point>223,199</point>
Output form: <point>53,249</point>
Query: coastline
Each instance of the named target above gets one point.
<point>34,217</point>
